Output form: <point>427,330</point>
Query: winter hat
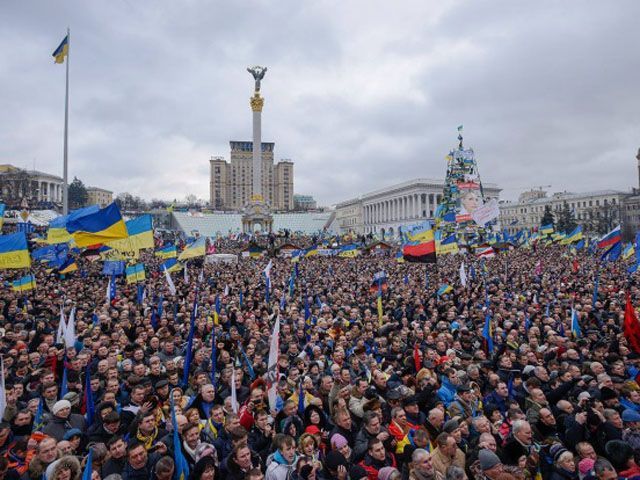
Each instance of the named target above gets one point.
<point>59,405</point>
<point>630,416</point>
<point>488,459</point>
<point>607,393</point>
<point>334,459</point>
<point>74,432</point>
<point>338,441</point>
<point>385,473</point>
<point>586,465</point>
<point>556,450</point>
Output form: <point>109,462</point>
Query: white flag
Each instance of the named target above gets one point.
<point>172,287</point>
<point>234,398</point>
<point>463,275</point>
<point>186,273</point>
<point>226,290</point>
<point>3,391</point>
<point>267,269</point>
<point>70,331</point>
<point>109,292</point>
<point>201,276</point>
<point>272,369</point>
<point>62,326</point>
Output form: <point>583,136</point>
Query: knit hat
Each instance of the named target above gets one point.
<point>74,432</point>
<point>586,465</point>
<point>556,450</point>
<point>334,459</point>
<point>338,441</point>
<point>59,405</point>
<point>451,426</point>
<point>607,393</point>
<point>385,473</point>
<point>488,459</point>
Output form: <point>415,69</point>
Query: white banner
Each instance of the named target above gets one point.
<point>487,212</point>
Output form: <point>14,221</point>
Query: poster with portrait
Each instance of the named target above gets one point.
<point>469,198</point>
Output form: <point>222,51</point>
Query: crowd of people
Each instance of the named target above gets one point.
<point>420,393</point>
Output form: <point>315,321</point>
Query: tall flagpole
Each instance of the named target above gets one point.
<point>65,186</point>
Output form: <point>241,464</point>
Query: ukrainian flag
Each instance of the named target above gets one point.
<point>23,284</point>
<point>2,208</point>
<point>311,251</point>
<point>135,273</point>
<point>62,50</point>
<point>167,252</point>
<point>171,265</point>
<point>444,289</point>
<point>196,249</point>
<point>399,257</point>
<point>629,250</point>
<point>57,232</point>
<point>575,236</point>
<point>349,251</point>
<point>296,255</point>
<point>14,252</point>
<point>69,266</point>
<point>547,229</point>
<point>101,227</point>
<point>140,232</point>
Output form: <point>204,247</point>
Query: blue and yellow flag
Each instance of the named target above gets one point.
<point>575,236</point>
<point>349,251</point>
<point>69,266</point>
<point>171,265</point>
<point>311,251</point>
<point>196,249</point>
<point>547,229</point>
<point>14,252</point>
<point>399,257</point>
<point>140,232</point>
<point>101,227</point>
<point>135,273</point>
<point>2,209</point>
<point>629,250</point>
<point>57,232</point>
<point>62,51</point>
<point>23,284</point>
<point>444,289</point>
<point>169,251</point>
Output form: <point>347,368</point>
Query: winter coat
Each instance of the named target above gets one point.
<point>278,468</point>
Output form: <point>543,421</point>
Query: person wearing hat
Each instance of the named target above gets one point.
<point>489,464</point>
<point>564,466</point>
<point>631,432</point>
<point>63,420</point>
<point>465,404</point>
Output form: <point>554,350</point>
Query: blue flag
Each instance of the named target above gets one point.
<point>181,465</point>
<point>113,267</point>
<point>64,388</point>
<point>241,299</point>
<point>252,373</point>
<point>88,468</point>
<point>301,401</point>
<point>189,352</point>
<point>88,396</point>
<point>214,358</point>
<point>487,333</point>
<point>38,421</point>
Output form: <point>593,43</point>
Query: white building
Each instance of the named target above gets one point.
<point>603,208</point>
<point>388,208</point>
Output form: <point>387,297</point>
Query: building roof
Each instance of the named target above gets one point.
<point>559,196</point>
<point>98,189</point>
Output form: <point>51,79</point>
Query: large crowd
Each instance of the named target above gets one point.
<point>418,394</point>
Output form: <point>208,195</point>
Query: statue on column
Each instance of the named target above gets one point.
<point>258,74</point>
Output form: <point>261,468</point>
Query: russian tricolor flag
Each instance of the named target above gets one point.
<point>611,238</point>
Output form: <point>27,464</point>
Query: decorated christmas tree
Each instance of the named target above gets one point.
<point>462,196</point>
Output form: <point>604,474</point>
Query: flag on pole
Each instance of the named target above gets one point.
<point>90,409</point>
<point>70,330</point>
<point>167,276</point>
<point>214,358</point>
<point>64,387</point>
<point>487,333</point>
<point>463,275</point>
<point>181,465</point>
<point>272,368</point>
<point>38,421</point>
<point>631,326</point>
<point>189,352</point>
<point>611,238</point>
<point>62,51</point>
<point>576,332</point>
<point>301,399</point>
<point>3,390</point>
<point>88,468</point>
<point>62,325</point>
<point>234,395</point>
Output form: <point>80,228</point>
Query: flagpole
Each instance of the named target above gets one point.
<point>65,175</point>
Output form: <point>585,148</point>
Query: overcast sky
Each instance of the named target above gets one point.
<point>359,94</point>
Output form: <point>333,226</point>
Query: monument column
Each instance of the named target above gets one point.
<point>257,102</point>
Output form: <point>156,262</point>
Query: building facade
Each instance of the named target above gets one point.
<point>304,202</point>
<point>231,182</point>
<point>387,209</point>
<point>99,196</point>
<point>37,189</point>
<point>596,211</point>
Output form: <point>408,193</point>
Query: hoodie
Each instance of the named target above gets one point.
<point>278,468</point>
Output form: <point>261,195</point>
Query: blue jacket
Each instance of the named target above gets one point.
<point>447,392</point>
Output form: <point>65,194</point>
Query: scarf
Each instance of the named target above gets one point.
<point>191,452</point>
<point>147,440</point>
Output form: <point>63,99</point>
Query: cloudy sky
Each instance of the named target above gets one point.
<point>359,94</point>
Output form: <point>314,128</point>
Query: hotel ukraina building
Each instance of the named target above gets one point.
<point>397,205</point>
